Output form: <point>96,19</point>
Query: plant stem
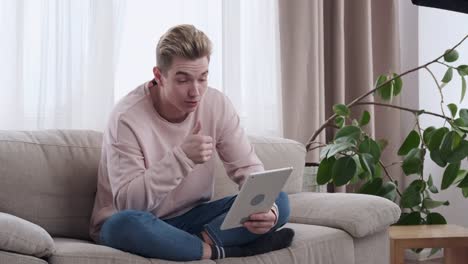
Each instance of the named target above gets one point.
<point>391,178</point>
<point>319,146</point>
<point>448,66</point>
<point>414,111</point>
<point>440,90</point>
<point>319,130</point>
<point>423,148</point>
<point>393,164</point>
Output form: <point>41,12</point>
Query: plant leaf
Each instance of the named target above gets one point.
<point>413,218</point>
<point>460,176</point>
<point>459,153</point>
<point>365,118</point>
<point>418,185</point>
<point>338,147</point>
<point>427,134</point>
<point>460,123</point>
<point>412,141</point>
<point>343,170</point>
<point>453,109</point>
<point>431,185</point>
<point>380,80</point>
<point>397,85</point>
<point>462,70</point>
<point>371,187</point>
<point>430,204</point>
<point>448,75</point>
<point>353,132</point>
<point>339,121</point>
<point>385,91</point>
<point>367,163</point>
<point>464,115</point>
<point>388,191</point>
<point>430,182</point>
<point>371,147</point>
<point>436,219</point>
<point>382,143</point>
<point>324,151</point>
<point>324,172</point>
<point>450,174</point>
<point>464,179</point>
<point>341,110</point>
<point>450,55</point>
<point>437,158</point>
<point>412,163</point>
<point>450,142</point>
<point>465,192</point>
<point>436,138</point>
<point>433,189</point>
<point>411,197</point>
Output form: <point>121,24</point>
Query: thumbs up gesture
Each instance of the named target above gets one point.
<point>196,146</point>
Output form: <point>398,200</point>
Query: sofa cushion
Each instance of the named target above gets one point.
<point>49,178</point>
<point>358,214</point>
<point>72,251</point>
<point>21,236</point>
<point>311,245</point>
<point>274,153</point>
<point>13,258</point>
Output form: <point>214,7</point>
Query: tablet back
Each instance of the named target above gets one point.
<point>257,195</point>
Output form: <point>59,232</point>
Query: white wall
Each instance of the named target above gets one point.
<point>438,31</point>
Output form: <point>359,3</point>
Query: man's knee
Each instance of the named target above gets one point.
<point>283,207</point>
<point>122,224</point>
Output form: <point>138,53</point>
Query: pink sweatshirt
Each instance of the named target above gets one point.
<point>143,167</point>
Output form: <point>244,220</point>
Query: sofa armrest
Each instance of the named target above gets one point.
<point>358,214</point>
<point>23,237</point>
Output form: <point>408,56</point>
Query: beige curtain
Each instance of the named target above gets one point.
<point>331,52</point>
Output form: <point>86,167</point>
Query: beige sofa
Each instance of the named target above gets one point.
<point>48,183</point>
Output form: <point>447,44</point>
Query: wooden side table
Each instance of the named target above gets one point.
<point>453,238</point>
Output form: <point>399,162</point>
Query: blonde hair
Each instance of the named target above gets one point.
<point>184,41</point>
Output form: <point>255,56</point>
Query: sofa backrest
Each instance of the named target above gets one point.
<point>49,177</point>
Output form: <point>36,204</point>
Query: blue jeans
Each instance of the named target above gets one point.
<point>176,238</point>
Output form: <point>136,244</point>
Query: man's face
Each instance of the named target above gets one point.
<point>183,86</point>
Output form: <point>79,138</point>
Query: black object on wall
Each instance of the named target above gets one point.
<point>453,5</point>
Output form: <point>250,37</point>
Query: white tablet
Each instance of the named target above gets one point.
<point>257,195</point>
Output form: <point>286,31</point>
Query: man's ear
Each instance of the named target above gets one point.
<point>157,75</point>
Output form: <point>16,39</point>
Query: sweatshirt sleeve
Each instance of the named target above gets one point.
<point>133,185</point>
<point>234,148</point>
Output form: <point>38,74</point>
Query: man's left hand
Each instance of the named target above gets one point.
<point>260,223</point>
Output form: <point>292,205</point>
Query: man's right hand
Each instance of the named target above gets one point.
<point>197,147</point>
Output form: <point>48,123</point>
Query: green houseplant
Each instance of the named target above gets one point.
<point>353,156</point>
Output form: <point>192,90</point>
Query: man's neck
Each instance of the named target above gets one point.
<point>163,107</point>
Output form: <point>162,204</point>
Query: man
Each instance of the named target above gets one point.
<point>156,172</point>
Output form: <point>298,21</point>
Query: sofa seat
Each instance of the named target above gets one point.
<point>13,258</point>
<point>75,251</point>
<point>312,244</point>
